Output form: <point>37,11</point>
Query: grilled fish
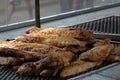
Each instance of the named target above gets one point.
<point>103,42</point>
<point>98,53</point>
<point>77,33</point>
<point>78,66</point>
<point>41,67</point>
<point>54,40</point>
<point>31,51</point>
<point>114,55</point>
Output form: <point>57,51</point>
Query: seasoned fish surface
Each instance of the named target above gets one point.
<point>50,39</point>
<point>78,66</point>
<point>114,55</point>
<point>77,33</point>
<point>103,42</point>
<point>98,53</point>
<point>41,67</point>
<point>30,51</point>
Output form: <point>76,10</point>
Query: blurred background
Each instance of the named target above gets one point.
<point>13,11</point>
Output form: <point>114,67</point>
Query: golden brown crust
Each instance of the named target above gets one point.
<point>114,55</point>
<point>78,66</point>
<point>77,33</point>
<point>98,53</point>
<point>26,49</point>
<point>51,39</point>
<point>39,67</point>
<point>103,42</point>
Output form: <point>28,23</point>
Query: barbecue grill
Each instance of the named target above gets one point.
<point>102,28</point>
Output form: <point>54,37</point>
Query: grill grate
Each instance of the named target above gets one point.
<point>110,27</point>
<point>105,25</point>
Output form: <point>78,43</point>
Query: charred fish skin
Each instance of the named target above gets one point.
<point>39,68</point>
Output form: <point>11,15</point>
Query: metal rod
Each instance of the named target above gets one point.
<point>37,13</point>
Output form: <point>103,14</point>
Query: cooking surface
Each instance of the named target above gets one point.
<point>107,25</point>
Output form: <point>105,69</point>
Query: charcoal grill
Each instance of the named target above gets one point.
<point>102,28</point>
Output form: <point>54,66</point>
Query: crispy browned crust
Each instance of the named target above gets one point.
<point>103,42</point>
<point>41,67</point>
<point>98,53</point>
<point>32,30</point>
<point>114,55</point>
<point>78,66</point>
<point>51,39</point>
<point>18,45</point>
<point>29,51</point>
<point>77,33</point>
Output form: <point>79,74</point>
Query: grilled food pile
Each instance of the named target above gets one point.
<point>56,52</point>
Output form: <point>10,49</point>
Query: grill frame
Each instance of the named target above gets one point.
<point>7,73</point>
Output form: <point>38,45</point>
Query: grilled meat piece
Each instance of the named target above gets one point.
<point>64,55</point>
<point>98,53</point>
<point>32,30</point>
<point>9,52</point>
<point>27,55</point>
<point>10,61</point>
<point>51,39</point>
<point>17,45</point>
<point>54,40</point>
<point>114,55</point>
<point>78,66</point>
<point>51,71</point>
<point>75,49</point>
<point>77,33</point>
<point>36,49</point>
<point>39,67</point>
<point>103,42</point>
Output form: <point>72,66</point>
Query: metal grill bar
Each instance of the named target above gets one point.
<point>115,25</point>
<point>94,28</point>
<point>118,25</point>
